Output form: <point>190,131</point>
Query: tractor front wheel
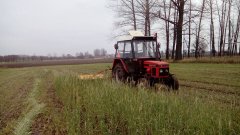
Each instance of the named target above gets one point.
<point>172,82</point>
<point>175,83</point>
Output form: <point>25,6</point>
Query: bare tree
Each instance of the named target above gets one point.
<point>189,27</point>
<point>202,46</point>
<point>222,25</point>
<point>126,14</point>
<point>178,22</point>
<point>167,25</point>
<point>236,34</point>
<point>198,30</point>
<point>134,14</point>
<point>145,11</point>
<point>212,29</point>
<point>179,4</point>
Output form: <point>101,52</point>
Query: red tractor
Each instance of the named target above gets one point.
<point>138,60</point>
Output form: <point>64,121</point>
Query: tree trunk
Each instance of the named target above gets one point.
<point>167,27</point>
<point>134,16</point>
<point>189,28</point>
<point>146,27</point>
<point>178,55</point>
<point>226,25</point>
<point>199,30</point>
<point>147,19</point>
<point>213,51</point>
<point>174,33</point>
<point>229,38</point>
<point>222,27</point>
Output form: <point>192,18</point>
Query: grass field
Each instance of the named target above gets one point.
<point>53,100</point>
<point>216,60</point>
<point>54,62</point>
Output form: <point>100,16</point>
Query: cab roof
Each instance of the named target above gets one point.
<point>135,35</point>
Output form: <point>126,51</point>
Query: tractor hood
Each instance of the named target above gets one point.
<point>156,63</point>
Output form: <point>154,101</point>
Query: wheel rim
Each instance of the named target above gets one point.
<point>117,76</point>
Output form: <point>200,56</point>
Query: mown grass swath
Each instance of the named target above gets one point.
<point>14,88</point>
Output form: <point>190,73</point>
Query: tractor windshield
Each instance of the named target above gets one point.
<point>144,49</point>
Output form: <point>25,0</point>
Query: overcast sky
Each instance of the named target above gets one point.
<point>43,27</point>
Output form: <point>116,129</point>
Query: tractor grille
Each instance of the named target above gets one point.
<point>154,71</point>
<point>163,71</point>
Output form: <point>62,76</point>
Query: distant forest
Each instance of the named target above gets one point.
<point>97,53</point>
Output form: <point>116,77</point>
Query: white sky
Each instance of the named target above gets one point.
<point>43,27</point>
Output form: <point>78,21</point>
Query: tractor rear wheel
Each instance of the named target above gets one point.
<point>119,73</point>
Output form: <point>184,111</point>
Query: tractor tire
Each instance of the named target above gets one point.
<point>172,82</point>
<point>119,73</point>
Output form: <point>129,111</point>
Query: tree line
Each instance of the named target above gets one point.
<point>186,26</point>
<point>97,53</point>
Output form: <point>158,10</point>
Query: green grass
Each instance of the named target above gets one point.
<point>109,108</point>
<point>217,59</point>
<point>208,101</point>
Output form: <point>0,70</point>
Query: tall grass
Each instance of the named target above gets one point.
<point>105,107</point>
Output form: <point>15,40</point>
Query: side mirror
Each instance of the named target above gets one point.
<point>116,46</point>
<point>155,35</point>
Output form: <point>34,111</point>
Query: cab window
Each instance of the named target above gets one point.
<point>144,49</point>
<point>128,50</point>
<point>120,50</point>
<point>124,50</point>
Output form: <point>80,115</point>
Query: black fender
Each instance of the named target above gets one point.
<point>117,61</point>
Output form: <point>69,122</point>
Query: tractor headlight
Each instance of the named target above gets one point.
<point>161,70</point>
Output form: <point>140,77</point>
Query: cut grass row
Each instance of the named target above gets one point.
<point>14,88</point>
<point>50,120</point>
<point>33,109</point>
<point>22,99</point>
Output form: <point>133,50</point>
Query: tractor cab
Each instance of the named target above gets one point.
<point>137,46</point>
<point>138,56</point>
